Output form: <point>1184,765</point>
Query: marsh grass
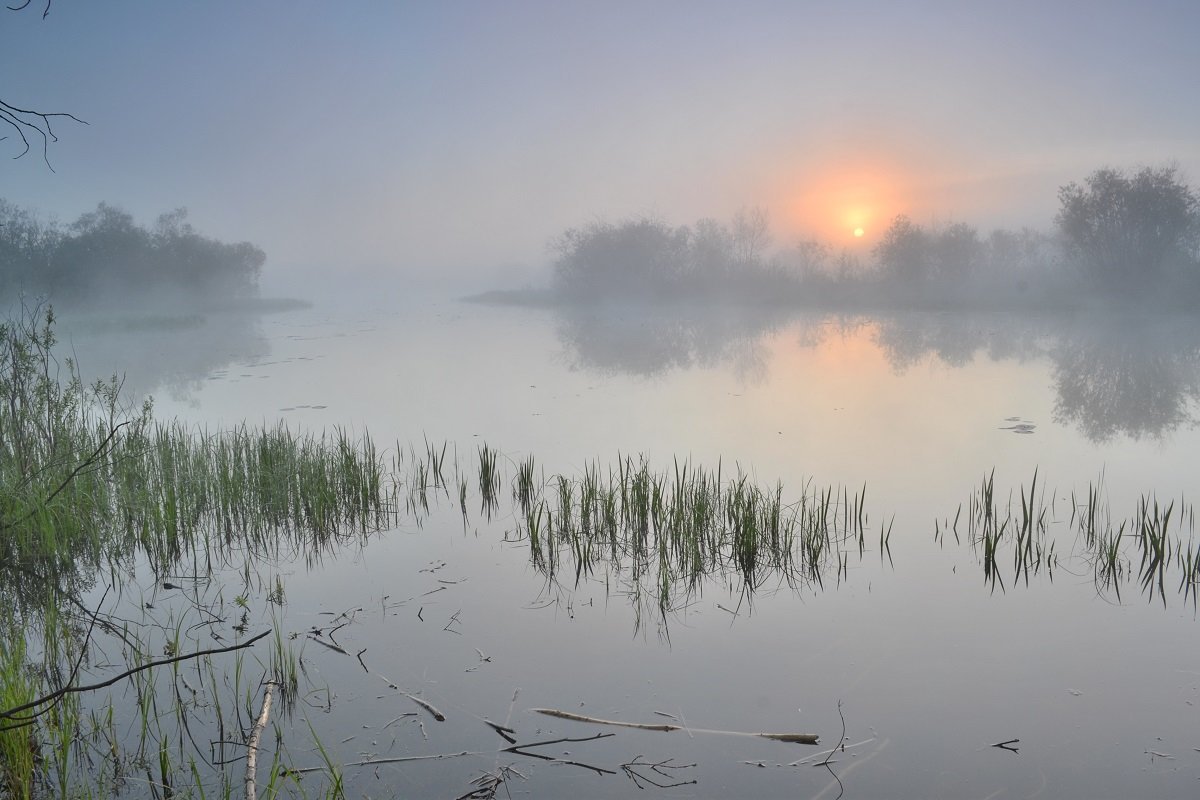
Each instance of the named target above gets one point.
<point>92,491</point>
<point>1156,545</point>
<point>668,532</point>
<point>89,488</point>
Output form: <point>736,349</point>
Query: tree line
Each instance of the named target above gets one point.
<point>1118,234</point>
<point>106,254</point>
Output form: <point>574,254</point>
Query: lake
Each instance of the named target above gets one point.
<point>906,643</point>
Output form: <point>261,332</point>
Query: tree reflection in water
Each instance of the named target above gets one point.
<point>1130,376</point>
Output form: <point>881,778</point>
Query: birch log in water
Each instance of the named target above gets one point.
<point>252,743</point>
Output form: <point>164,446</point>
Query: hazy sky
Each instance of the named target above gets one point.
<point>454,137</point>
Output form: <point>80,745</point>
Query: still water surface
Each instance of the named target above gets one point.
<point>927,664</point>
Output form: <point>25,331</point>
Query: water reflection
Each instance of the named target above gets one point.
<point>171,353</point>
<point>1137,380</point>
<point>957,339</point>
<point>652,340</point>
<point>1131,377</point>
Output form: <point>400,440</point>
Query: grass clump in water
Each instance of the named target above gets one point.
<point>667,532</point>
<point>91,491</point>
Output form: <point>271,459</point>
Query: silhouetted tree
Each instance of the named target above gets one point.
<point>637,257</point>
<point>1127,231</point>
<point>26,245</point>
<point>711,251</point>
<point>106,252</point>
<point>903,252</point>
<point>751,235</point>
<point>646,258</point>
<point>956,252</point>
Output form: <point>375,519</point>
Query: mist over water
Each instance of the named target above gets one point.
<point>588,399</point>
<point>1031,397</point>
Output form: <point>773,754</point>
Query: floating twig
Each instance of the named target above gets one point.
<point>507,733</point>
<point>791,738</point>
<point>366,762</point>
<point>333,647</point>
<point>433,712</point>
<point>1009,745</point>
<point>659,768</point>
<point>397,719</point>
<point>521,750</point>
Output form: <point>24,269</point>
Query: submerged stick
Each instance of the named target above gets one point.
<point>1010,745</point>
<point>252,743</point>
<point>11,712</point>
<point>554,712</point>
<point>791,738</point>
<point>433,712</point>
<point>366,762</point>
<point>506,733</point>
<point>521,750</point>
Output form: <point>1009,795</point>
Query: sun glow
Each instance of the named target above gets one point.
<point>842,203</point>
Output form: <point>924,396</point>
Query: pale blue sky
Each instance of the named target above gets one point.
<point>447,138</point>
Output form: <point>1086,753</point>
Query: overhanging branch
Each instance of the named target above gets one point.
<point>35,125</point>
<point>30,124</point>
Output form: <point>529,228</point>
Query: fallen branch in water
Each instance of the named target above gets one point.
<point>506,733</point>
<point>520,749</point>
<point>252,742</point>
<point>433,712</point>
<point>11,712</point>
<point>792,738</point>
<point>366,762</point>
<point>554,712</point>
<point>631,769</point>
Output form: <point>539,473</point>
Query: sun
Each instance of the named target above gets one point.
<point>858,233</point>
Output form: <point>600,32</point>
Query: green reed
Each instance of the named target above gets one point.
<point>1155,545</point>
<point>672,530</point>
<point>89,486</point>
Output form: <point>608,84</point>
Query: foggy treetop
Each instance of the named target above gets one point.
<point>1123,236</point>
<point>104,255</point>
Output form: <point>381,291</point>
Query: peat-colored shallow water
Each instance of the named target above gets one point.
<point>927,664</point>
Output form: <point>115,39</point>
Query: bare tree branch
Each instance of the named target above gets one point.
<point>25,5</point>
<point>30,124</point>
<point>36,124</point>
<point>11,713</point>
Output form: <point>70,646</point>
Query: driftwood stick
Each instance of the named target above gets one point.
<point>554,712</point>
<point>791,738</point>
<point>252,743</point>
<point>507,733</point>
<point>1010,745</point>
<point>433,712</point>
<point>520,749</point>
<point>367,762</point>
